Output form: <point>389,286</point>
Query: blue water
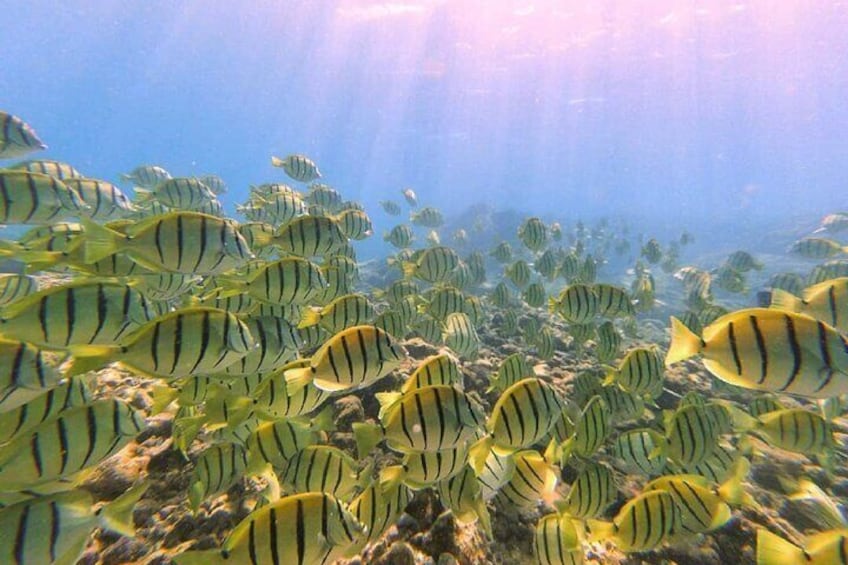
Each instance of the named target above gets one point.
<point>671,112</point>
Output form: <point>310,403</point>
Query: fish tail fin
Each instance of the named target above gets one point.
<point>276,161</point>
<point>485,520</point>
<point>684,343</point>
<point>479,452</point>
<point>774,550</point>
<point>783,300</point>
<point>324,421</point>
<point>408,269</point>
<point>310,317</point>
<point>90,358</point>
<point>118,514</point>
<point>552,305</point>
<point>298,378</point>
<point>367,437</point>
<point>732,491</point>
<point>100,242</point>
<point>600,531</point>
<point>391,477</point>
<point>163,396</point>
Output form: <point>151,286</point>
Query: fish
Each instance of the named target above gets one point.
<point>323,199</point>
<point>178,242</point>
<point>36,199</point>
<point>641,372</point>
<point>817,248</point>
<point>556,541</point>
<point>742,261</point>
<point>310,236</point>
<point>323,468</point>
<point>297,167</point>
<point>591,430</point>
<point>278,441</point>
<point>613,301</point>
<point>419,470</point>
<point>55,528</point>
<point>15,287</point>
<point>432,265</point>
<point>147,176</point>
<point>533,233</point>
<point>25,374</point>
<point>440,369</point>
<point>519,273</point>
<point>642,524</point>
<point>460,335</point>
<point>77,439</point>
<point>636,451</point>
<point>511,370</point>
<point>77,313</point>
<point>194,340</point>
<point>410,197</point>
<point>56,169</point>
<point>768,350</point>
<point>533,480</point>
<point>825,301</point>
<point>823,548</point>
<point>427,217</point>
<point>591,492</point>
<point>355,357</point>
<point>21,420</point>
<point>430,418</point>
<point>461,494</point>
<point>377,507</point>
<point>303,528</point>
<point>355,224</point>
<point>390,207</point>
<point>502,253</point>
<point>400,236</point>
<point>17,138</point>
<point>608,342</point>
<point>217,469</point>
<point>179,193</point>
<point>577,303</point>
<point>276,400</point>
<point>291,280</point>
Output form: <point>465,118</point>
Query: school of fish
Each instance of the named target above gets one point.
<point>248,330</point>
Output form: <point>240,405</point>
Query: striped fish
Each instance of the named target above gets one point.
<point>441,369</point>
<point>608,343</point>
<point>591,492</point>
<point>700,508</point>
<point>182,343</point>
<point>355,224</point>
<point>613,301</point>
<point>434,264</point>
<point>424,469</point>
<point>461,494</point>
<point>279,441</point>
<point>400,236</point>
<point>547,264</point>
<point>377,508</point>
<point>322,468</point>
<point>796,430</point>
<point>577,303</point>
<point>292,280</point>
<point>390,207</point>
<point>310,236</point>
<point>17,138</point>
<point>824,548</point>
<point>642,524</point>
<point>511,370</point>
<point>502,253</point>
<point>77,439</point>
<point>816,248</point>
<point>410,197</point>
<point>431,418</point>
<point>825,301</point>
<point>298,167</point>
<point>277,343</point>
<point>534,295</point>
<point>533,233</point>
<point>24,374</point>
<point>523,415</point>
<point>636,451</point>
<point>14,287</point>
<point>496,472</point>
<point>217,469</point>
<point>301,529</point>
<point>770,350</point>
<point>691,435</point>
<point>533,480</point>
<point>519,273</point>
<point>55,169</point>
<point>556,541</point>
<point>147,176</point>
<point>276,208</point>
<point>35,198</point>
<point>179,242</point>
<point>591,429</point>
<point>179,193</point>
<point>105,201</point>
<point>640,372</point>
<point>277,401</point>
<point>22,420</point>
<point>342,313</point>
<point>78,313</point>
<point>55,528</point>
<point>355,357</point>
<point>427,217</point>
<point>460,335</point>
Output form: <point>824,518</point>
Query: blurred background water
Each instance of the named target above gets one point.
<point>708,115</point>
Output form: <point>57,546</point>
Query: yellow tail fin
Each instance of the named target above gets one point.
<point>367,437</point>
<point>479,452</point>
<point>118,514</point>
<point>783,300</point>
<point>298,378</point>
<point>774,550</point>
<point>91,358</point>
<point>684,343</point>
<point>310,317</point>
<point>100,241</point>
